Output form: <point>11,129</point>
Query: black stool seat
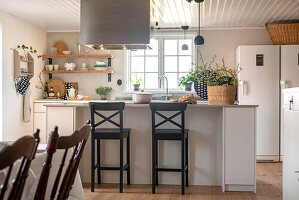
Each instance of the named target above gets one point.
<point>111,133</point>
<point>170,134</point>
<point>100,134</point>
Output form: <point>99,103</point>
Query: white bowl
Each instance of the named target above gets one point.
<point>66,52</point>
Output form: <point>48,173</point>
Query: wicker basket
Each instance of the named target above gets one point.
<point>222,95</point>
<point>284,33</point>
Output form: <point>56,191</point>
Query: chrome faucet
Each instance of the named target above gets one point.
<point>160,80</point>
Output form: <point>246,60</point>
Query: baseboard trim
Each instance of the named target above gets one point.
<point>240,188</point>
<point>260,158</point>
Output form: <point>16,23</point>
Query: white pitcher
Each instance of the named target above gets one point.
<point>72,92</point>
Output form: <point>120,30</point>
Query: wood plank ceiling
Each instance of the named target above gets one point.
<point>64,15</point>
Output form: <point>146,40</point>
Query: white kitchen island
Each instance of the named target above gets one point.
<point>222,143</point>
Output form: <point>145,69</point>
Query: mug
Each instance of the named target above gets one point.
<point>83,65</point>
<point>46,67</point>
<point>56,67</point>
<point>50,67</point>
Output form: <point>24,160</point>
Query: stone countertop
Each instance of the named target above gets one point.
<point>84,103</point>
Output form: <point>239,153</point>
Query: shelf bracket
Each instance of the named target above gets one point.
<point>50,61</point>
<point>50,76</point>
<point>109,77</point>
<point>109,62</point>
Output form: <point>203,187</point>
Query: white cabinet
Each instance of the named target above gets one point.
<point>290,66</point>
<point>291,145</point>
<point>239,143</point>
<point>63,117</point>
<point>39,121</point>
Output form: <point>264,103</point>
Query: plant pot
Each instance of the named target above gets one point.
<point>222,95</point>
<point>188,86</point>
<point>136,87</point>
<point>103,97</point>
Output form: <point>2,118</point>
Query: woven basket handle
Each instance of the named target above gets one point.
<point>224,70</point>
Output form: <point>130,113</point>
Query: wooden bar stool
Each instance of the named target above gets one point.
<point>179,133</point>
<point>99,134</point>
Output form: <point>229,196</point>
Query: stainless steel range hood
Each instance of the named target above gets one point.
<point>116,24</point>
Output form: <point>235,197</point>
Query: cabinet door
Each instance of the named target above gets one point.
<point>63,117</point>
<point>291,155</point>
<point>290,65</point>
<point>39,122</point>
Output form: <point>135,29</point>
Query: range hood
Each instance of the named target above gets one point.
<point>115,24</point>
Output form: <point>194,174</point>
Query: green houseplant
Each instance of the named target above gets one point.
<point>221,81</point>
<point>103,91</point>
<point>188,80</point>
<point>26,50</point>
<point>136,82</point>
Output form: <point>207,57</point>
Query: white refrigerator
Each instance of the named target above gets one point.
<point>259,83</point>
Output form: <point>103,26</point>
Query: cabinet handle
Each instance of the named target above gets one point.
<point>291,102</point>
<point>296,172</point>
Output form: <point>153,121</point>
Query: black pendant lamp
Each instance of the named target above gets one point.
<point>185,46</point>
<point>199,40</point>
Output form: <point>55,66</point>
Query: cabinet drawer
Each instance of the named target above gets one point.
<point>39,108</point>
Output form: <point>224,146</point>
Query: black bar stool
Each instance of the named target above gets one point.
<point>179,133</point>
<point>99,134</point>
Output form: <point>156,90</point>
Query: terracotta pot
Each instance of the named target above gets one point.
<point>222,95</point>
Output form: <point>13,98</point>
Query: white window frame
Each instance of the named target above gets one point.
<point>160,36</point>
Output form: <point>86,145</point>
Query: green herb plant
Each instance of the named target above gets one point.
<point>26,50</point>
<point>136,80</point>
<point>189,78</point>
<point>103,90</point>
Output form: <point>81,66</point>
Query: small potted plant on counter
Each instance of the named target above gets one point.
<point>188,80</point>
<point>103,91</point>
<point>221,82</point>
<point>136,82</point>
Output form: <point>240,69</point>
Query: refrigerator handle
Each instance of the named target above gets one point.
<point>243,86</point>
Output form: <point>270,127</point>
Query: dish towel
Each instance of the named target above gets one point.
<point>26,106</point>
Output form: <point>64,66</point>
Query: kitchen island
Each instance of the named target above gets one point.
<point>222,143</point>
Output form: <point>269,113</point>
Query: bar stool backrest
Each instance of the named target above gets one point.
<point>118,107</point>
<point>156,109</point>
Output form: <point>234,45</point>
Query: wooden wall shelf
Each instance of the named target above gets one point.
<point>78,56</point>
<point>78,71</point>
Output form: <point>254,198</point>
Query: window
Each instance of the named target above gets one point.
<point>165,58</point>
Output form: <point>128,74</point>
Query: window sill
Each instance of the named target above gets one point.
<point>162,92</point>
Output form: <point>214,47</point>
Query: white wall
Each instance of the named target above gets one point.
<point>15,32</point>
<point>223,43</point>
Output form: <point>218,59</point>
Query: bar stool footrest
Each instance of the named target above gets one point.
<point>126,166</point>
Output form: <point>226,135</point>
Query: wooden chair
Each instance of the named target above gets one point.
<point>179,133</point>
<point>76,142</point>
<point>24,148</point>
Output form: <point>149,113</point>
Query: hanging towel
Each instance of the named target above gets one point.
<point>26,106</point>
<point>22,83</point>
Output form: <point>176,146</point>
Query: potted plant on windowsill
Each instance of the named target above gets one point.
<point>136,82</point>
<point>221,82</point>
<point>188,80</point>
<point>103,92</point>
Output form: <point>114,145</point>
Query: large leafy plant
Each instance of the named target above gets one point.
<point>218,75</point>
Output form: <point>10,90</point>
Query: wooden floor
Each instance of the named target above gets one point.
<point>269,187</point>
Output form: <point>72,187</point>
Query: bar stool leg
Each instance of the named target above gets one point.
<point>153,166</point>
<point>157,159</point>
<point>128,159</point>
<point>186,155</point>
<point>121,166</point>
<point>92,163</point>
<point>182,165</point>
<point>99,160</point>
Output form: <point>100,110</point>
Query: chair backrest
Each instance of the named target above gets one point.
<point>117,106</point>
<point>24,149</point>
<point>76,142</point>
<point>178,108</point>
